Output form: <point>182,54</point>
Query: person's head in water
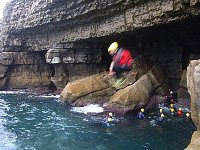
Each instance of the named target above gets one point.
<point>113,48</point>
<point>110,117</point>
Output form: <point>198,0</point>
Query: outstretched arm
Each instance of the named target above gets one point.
<point>111,72</point>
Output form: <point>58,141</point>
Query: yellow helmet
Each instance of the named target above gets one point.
<point>109,119</point>
<point>188,114</point>
<point>113,47</point>
<point>162,115</point>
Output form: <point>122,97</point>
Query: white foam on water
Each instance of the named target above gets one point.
<point>49,96</point>
<point>91,108</point>
<point>24,92</point>
<point>12,92</point>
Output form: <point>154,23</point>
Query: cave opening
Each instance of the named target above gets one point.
<point>171,46</point>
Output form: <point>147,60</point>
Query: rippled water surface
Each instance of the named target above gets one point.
<point>30,122</point>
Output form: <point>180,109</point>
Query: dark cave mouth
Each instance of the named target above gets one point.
<point>179,39</point>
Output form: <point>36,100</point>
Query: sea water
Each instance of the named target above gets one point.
<point>31,122</point>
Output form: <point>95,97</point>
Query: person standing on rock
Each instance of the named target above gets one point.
<point>121,61</point>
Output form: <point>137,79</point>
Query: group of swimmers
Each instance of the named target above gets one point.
<point>172,108</point>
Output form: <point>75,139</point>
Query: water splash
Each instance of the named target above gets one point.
<point>12,92</point>
<point>92,108</point>
<point>48,96</point>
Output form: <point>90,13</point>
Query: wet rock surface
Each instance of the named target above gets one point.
<point>97,89</point>
<point>193,76</point>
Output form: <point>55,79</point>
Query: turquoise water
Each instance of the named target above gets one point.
<point>30,122</point>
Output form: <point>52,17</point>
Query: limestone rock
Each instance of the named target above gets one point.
<point>195,141</point>
<point>141,90</point>
<point>194,2</point>
<point>58,56</point>
<point>98,97</point>
<point>60,81</point>
<point>23,70</point>
<point>29,76</point>
<point>3,70</point>
<point>1,35</point>
<point>83,87</point>
<point>138,87</point>
<point>183,95</point>
<point>193,84</point>
<point>63,21</point>
<point>20,58</point>
<point>3,82</point>
<point>73,91</point>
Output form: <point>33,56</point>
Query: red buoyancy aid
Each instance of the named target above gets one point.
<point>123,57</point>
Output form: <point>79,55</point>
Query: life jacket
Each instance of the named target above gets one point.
<point>123,57</point>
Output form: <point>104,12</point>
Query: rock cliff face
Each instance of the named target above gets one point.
<point>193,83</point>
<point>74,34</point>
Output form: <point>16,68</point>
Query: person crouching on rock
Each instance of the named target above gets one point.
<point>122,60</point>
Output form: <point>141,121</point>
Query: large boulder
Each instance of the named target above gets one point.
<point>141,83</point>
<point>95,86</point>
<point>73,55</point>
<point>96,89</point>
<point>141,90</point>
<point>82,87</point>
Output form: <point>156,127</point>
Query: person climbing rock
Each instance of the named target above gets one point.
<point>122,60</point>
